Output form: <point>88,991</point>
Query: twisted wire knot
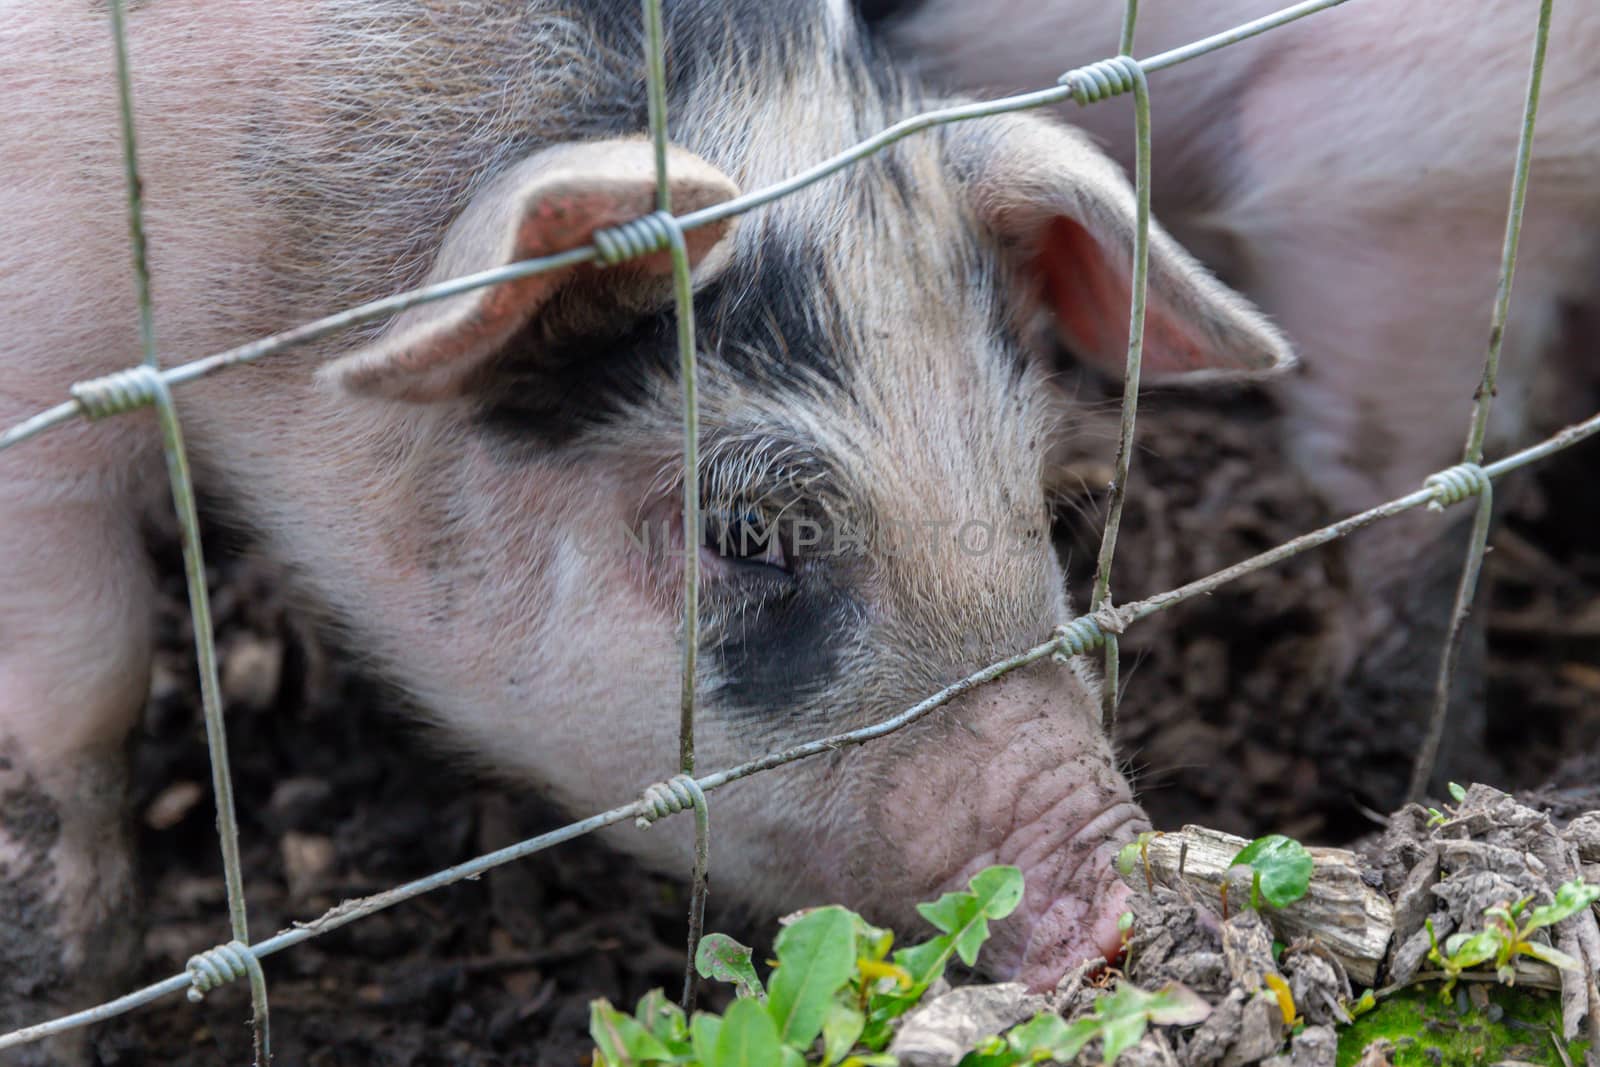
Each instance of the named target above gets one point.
<point>679,793</point>
<point>114,394</point>
<point>1455,484</point>
<point>1080,635</point>
<point>219,966</point>
<point>635,238</point>
<point>1102,79</point>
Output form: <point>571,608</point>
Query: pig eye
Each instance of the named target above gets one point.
<point>742,535</point>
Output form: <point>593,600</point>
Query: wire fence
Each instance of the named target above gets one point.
<point>149,385</point>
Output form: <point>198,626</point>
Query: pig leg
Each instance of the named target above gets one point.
<point>75,599</point>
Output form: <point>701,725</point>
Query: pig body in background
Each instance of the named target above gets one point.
<point>452,489</point>
<point>1349,173</point>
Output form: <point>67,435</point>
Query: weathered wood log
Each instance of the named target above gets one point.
<point>1340,911</point>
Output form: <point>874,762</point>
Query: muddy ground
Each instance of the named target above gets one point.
<point>339,797</point>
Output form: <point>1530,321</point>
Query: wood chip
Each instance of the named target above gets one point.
<point>1340,911</point>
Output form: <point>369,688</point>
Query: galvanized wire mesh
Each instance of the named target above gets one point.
<point>150,385</point>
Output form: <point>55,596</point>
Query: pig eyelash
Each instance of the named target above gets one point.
<point>744,537</point>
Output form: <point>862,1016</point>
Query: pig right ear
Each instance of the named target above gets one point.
<point>1066,215</point>
<point>550,202</point>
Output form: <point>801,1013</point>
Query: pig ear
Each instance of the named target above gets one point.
<point>550,202</point>
<point>1067,213</point>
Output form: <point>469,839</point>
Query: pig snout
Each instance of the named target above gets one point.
<point>1025,777</point>
<point>1070,910</point>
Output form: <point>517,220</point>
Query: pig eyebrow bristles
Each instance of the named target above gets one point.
<point>762,469</point>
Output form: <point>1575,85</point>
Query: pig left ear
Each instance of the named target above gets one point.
<point>552,201</point>
<point>1067,213</point>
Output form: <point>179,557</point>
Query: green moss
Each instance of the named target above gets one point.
<point>1515,1024</point>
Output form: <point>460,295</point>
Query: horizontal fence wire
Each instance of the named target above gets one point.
<point>1097,629</point>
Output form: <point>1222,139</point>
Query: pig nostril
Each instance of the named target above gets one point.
<point>1084,896</point>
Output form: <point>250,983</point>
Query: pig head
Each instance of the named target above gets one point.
<point>875,526</point>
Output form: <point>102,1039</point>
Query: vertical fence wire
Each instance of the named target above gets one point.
<point>1472,454</point>
<point>183,500</point>
<point>1101,597</point>
<point>133,183</point>
<point>1130,17</point>
<point>683,298</point>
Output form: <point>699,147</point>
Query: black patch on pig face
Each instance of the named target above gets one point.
<point>873,12</point>
<point>769,322</point>
<point>702,35</point>
<point>780,654</point>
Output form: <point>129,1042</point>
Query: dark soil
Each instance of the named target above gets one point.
<point>339,796</point>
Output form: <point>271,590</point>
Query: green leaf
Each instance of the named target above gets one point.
<point>963,918</point>
<point>1571,898</point>
<point>1124,1014</point>
<point>995,893</point>
<point>704,1029</point>
<point>1078,1034</point>
<point>1125,1000</point>
<point>621,1039</point>
<point>1134,854</point>
<point>840,1029</point>
<point>1553,956</point>
<point>1469,950</point>
<point>992,1052</point>
<point>1047,1035</point>
<point>816,956</point>
<point>1175,1004</point>
<point>748,1038</point>
<point>1282,868</point>
<point>872,942</point>
<point>924,962</point>
<point>664,1019</point>
<point>1458,792</point>
<point>1121,1034</point>
<point>726,960</point>
<point>879,1029</point>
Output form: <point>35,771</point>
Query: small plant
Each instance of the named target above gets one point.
<point>1136,853</point>
<point>1118,1019</point>
<point>1508,935</point>
<point>1280,871</point>
<point>1358,1007</point>
<point>1458,793</point>
<point>831,999</point>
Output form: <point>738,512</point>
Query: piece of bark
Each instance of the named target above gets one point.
<point>1339,911</point>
